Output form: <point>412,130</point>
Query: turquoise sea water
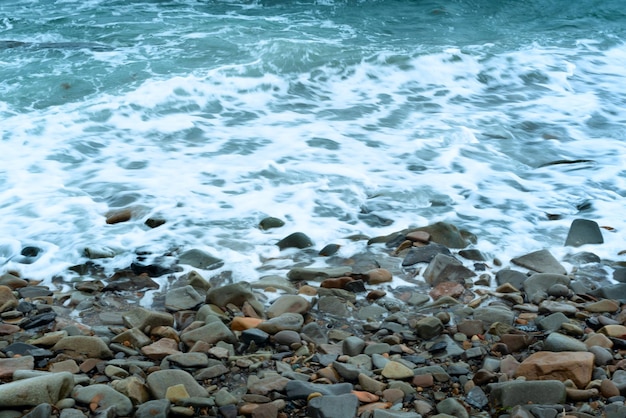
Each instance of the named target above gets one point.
<point>340,117</point>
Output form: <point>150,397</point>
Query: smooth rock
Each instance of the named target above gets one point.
<point>286,321</point>
<point>519,392</point>
<point>295,240</point>
<point>183,298</point>
<point>210,333</point>
<point>333,406</point>
<point>47,388</point>
<point>297,389</point>
<point>200,260</point>
<point>429,327</point>
<point>8,300</point>
<point>559,342</point>
<point>353,346</point>
<point>452,407</point>
<point>446,268</point>
<point>80,345</point>
<point>8,366</point>
<point>541,261</point>
<point>544,365</point>
<point>396,370</point>
<point>106,397</point>
<point>537,285</point>
<point>146,320</point>
<point>583,231</point>
<point>154,409</point>
<point>235,293</point>
<point>288,304</point>
<point>159,381</point>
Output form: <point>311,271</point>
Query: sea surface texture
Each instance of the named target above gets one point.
<point>506,118</point>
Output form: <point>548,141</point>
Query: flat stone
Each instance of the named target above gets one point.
<point>543,365</point>
<point>333,305</point>
<point>353,346</point>
<point>370,384</point>
<point>388,413</point>
<point>333,406</point>
<point>541,261</point>
<point>286,321</point>
<point>558,342</point>
<point>424,254</point>
<point>513,277</point>
<point>451,289</point>
<point>395,370</point>
<point>154,409</point>
<point>104,396</point>
<point>452,407</point>
<point>445,234</point>
<point>429,327</point>
<point>8,366</point>
<point>235,293</point>
<point>183,298</point>
<point>601,306</point>
<point>492,314</point>
<point>583,231</point>
<point>552,322</point>
<point>297,274</point>
<point>615,331</point>
<point>537,285</point>
<point>210,333</point>
<point>8,300</point>
<point>200,260</point>
<point>446,268</point>
<point>378,276</point>
<point>146,320</point>
<point>160,349</point>
<point>188,360</point>
<point>297,389</point>
<point>288,303</point>
<point>519,392</point>
<point>80,345</point>
<point>134,337</point>
<point>267,384</point>
<point>46,388</point>
<point>159,381</point>
<point>132,387</point>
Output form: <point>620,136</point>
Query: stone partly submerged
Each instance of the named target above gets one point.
<point>367,335</point>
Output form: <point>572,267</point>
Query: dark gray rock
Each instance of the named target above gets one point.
<point>424,254</point>
<point>518,392</point>
<point>388,413</point>
<point>446,268</point>
<point>333,406</point>
<point>353,346</point>
<point>159,381</point>
<point>235,293</point>
<point>295,240</point>
<point>583,231</point>
<point>537,285</point>
<point>183,298</point>
<point>200,260</point>
<point>452,407</point>
<point>513,277</point>
<point>310,274</point>
<point>297,389</point>
<point>616,292</point>
<point>551,322</point>
<point>40,411</point>
<point>476,398</point>
<point>447,234</point>
<point>211,333</point>
<point>154,409</point>
<point>107,397</point>
<point>541,261</point>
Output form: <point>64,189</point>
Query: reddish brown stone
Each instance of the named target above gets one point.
<point>423,380</point>
<point>452,289</point>
<point>418,236</point>
<point>118,216</point>
<point>545,365</point>
<point>9,365</point>
<point>336,283</point>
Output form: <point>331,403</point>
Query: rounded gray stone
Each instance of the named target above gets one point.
<point>107,397</point>
<point>47,388</point>
<point>159,381</point>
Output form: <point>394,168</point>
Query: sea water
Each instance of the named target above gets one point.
<point>505,118</point>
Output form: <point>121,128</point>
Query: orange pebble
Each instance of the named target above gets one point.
<point>240,323</point>
<point>366,397</point>
<point>373,406</point>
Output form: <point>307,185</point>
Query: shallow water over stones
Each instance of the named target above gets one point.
<point>255,350</point>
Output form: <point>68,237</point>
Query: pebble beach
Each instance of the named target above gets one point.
<point>419,324</point>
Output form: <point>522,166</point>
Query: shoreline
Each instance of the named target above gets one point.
<point>408,331</point>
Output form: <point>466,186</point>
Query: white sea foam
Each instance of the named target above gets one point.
<point>450,133</point>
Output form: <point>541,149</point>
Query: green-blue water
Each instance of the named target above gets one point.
<point>341,117</point>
